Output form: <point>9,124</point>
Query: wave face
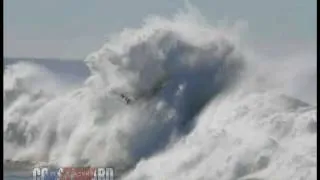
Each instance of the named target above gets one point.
<point>220,114</point>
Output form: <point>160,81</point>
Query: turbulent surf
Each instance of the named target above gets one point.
<point>204,108</point>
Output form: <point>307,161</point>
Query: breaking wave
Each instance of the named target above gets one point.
<point>221,114</point>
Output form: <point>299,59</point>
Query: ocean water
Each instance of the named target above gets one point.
<point>225,112</point>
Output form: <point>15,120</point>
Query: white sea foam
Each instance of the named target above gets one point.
<point>222,114</point>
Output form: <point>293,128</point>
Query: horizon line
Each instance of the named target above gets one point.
<point>42,58</point>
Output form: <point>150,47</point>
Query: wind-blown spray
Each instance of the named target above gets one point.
<point>211,119</point>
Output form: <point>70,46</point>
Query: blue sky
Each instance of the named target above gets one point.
<point>73,28</point>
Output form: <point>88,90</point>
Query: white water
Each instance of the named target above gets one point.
<point>224,113</point>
